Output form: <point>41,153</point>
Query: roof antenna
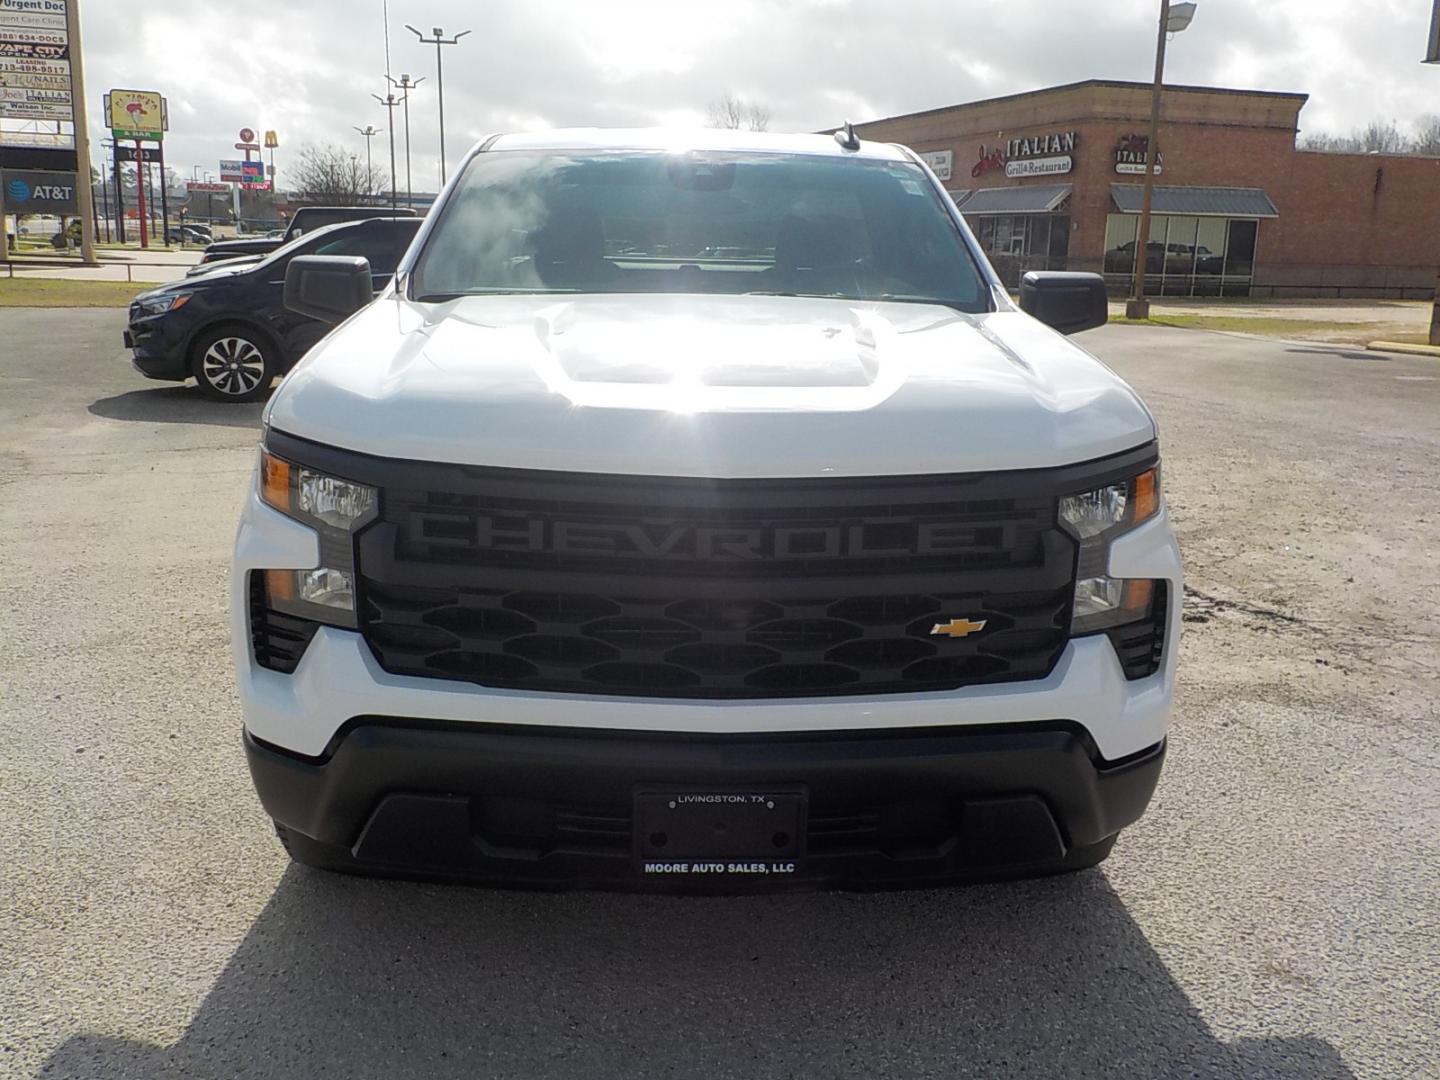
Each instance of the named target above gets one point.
<point>847,138</point>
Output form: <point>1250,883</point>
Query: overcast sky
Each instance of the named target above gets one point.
<point>307,68</point>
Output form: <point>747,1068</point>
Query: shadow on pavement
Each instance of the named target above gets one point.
<point>1341,351</point>
<point>177,405</point>
<point>357,978</point>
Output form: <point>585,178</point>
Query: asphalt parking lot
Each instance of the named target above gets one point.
<point>1276,914</point>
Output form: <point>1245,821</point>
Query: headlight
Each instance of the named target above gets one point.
<point>159,305</point>
<point>1113,507</point>
<point>1096,518</point>
<point>314,497</point>
<point>336,509</point>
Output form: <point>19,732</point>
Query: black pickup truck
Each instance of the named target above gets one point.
<point>306,219</point>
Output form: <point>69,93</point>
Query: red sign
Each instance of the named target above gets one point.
<point>205,185</point>
<point>246,135</point>
<point>988,162</point>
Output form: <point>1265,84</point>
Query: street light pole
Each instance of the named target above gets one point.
<point>369,131</point>
<point>388,102</point>
<point>406,84</point>
<point>1173,19</point>
<point>438,40</point>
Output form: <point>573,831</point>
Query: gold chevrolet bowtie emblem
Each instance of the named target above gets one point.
<point>957,628</point>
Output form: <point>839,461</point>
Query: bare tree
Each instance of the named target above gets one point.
<point>1376,137</point>
<point>735,113</point>
<point>1383,137</point>
<point>332,176</point>
<point>1427,136</point>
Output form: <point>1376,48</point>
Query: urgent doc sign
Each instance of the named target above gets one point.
<point>31,192</point>
<point>34,62</point>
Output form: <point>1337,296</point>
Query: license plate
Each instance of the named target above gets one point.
<point>708,832</point>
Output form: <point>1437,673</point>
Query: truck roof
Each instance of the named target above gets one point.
<point>688,139</point>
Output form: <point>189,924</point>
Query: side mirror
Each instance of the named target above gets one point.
<point>1065,300</point>
<point>329,288</point>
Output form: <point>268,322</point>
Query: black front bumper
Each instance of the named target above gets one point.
<point>554,807</point>
<point>157,350</point>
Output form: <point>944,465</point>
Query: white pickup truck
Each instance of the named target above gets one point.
<point>698,510</point>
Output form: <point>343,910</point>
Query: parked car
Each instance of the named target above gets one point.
<point>230,330</point>
<point>307,219</point>
<point>568,566</point>
<point>189,233</point>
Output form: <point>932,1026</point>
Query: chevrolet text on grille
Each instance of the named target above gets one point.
<point>875,539</point>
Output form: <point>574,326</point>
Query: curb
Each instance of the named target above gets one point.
<point>1402,347</point>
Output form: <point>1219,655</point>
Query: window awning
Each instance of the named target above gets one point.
<point>959,196</point>
<point>1240,202</point>
<point>1031,199</point>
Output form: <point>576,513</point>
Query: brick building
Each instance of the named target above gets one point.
<point>1052,179</point>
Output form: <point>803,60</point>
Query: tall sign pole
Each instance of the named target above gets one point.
<point>140,192</point>
<point>85,197</point>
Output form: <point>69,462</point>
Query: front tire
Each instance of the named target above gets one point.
<point>234,364</point>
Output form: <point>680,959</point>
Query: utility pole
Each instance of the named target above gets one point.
<point>85,197</point>
<point>406,84</point>
<point>1137,307</point>
<point>438,40</point>
<point>389,101</point>
<point>369,131</point>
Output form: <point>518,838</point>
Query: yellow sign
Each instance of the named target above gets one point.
<point>136,113</point>
<point>272,140</point>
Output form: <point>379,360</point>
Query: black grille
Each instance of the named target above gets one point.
<point>1141,645</point>
<point>715,589</point>
<point>279,640</point>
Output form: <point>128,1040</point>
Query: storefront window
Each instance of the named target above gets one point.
<point>1020,242</point>
<point>1209,255</point>
<point>1120,243</point>
<point>1187,255</point>
<point>1240,251</point>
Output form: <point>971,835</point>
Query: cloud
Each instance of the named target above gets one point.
<point>308,69</point>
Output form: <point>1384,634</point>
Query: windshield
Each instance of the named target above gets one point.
<point>719,223</point>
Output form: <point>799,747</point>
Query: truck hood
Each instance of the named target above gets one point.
<point>734,386</point>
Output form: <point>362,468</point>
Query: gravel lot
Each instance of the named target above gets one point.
<point>1277,913</point>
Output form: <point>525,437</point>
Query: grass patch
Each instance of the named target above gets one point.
<point>1267,326</point>
<point>51,292</point>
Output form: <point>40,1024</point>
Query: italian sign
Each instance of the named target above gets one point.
<point>136,114</point>
<point>1033,155</point>
<point>941,162</point>
<point>35,104</point>
<point>28,192</point>
<point>1130,155</point>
